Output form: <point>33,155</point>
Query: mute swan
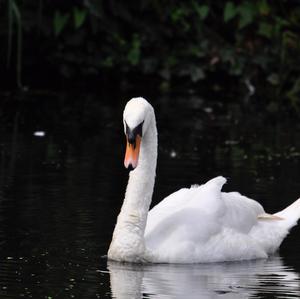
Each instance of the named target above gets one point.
<point>193,225</point>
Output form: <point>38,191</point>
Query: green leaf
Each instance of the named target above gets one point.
<point>134,53</point>
<point>79,16</point>
<point>108,61</point>
<point>279,24</point>
<point>265,30</point>
<point>202,10</point>
<point>230,11</point>
<point>178,14</point>
<point>293,94</point>
<point>59,22</point>
<point>290,39</point>
<point>247,13</point>
<point>263,7</point>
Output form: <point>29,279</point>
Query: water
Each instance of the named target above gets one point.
<point>61,190</point>
<point>260,278</point>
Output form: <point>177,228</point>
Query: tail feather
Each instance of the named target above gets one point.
<point>272,229</point>
<point>269,217</point>
<point>290,215</point>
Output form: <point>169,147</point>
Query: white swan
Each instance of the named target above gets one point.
<point>195,225</point>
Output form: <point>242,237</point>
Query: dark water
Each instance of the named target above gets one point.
<point>60,195</point>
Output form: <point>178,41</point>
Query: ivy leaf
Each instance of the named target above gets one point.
<point>264,8</point>
<point>59,22</point>
<point>79,16</point>
<point>265,30</point>
<point>230,11</point>
<point>202,10</point>
<point>134,53</point>
<point>246,12</point>
<point>290,39</point>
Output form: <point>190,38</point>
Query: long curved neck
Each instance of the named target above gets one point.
<point>128,238</point>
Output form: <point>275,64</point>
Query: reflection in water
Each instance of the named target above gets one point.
<point>258,278</point>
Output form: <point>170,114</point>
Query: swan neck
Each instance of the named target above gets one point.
<point>128,238</point>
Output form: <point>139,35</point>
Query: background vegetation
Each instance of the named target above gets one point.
<point>245,46</point>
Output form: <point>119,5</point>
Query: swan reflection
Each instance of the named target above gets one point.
<point>228,280</point>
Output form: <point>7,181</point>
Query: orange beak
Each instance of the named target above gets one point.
<point>132,153</point>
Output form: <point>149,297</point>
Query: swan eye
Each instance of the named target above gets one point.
<point>132,133</point>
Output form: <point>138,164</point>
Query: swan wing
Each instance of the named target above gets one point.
<point>202,220</point>
<point>242,213</point>
<point>207,197</point>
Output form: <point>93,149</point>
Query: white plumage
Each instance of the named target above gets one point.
<point>195,225</point>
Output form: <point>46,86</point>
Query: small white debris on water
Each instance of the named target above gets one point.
<point>208,109</point>
<point>39,133</point>
<point>173,154</point>
<point>231,142</point>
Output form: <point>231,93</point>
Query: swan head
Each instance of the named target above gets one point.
<point>136,119</point>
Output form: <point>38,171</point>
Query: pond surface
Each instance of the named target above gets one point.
<point>62,183</point>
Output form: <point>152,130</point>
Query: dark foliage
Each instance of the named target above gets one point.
<point>244,44</point>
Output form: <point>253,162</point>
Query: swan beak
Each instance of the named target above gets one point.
<point>132,153</point>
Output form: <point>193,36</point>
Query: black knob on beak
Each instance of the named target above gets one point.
<point>132,133</point>
<point>131,136</point>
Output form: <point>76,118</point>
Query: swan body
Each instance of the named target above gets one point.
<point>193,225</point>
